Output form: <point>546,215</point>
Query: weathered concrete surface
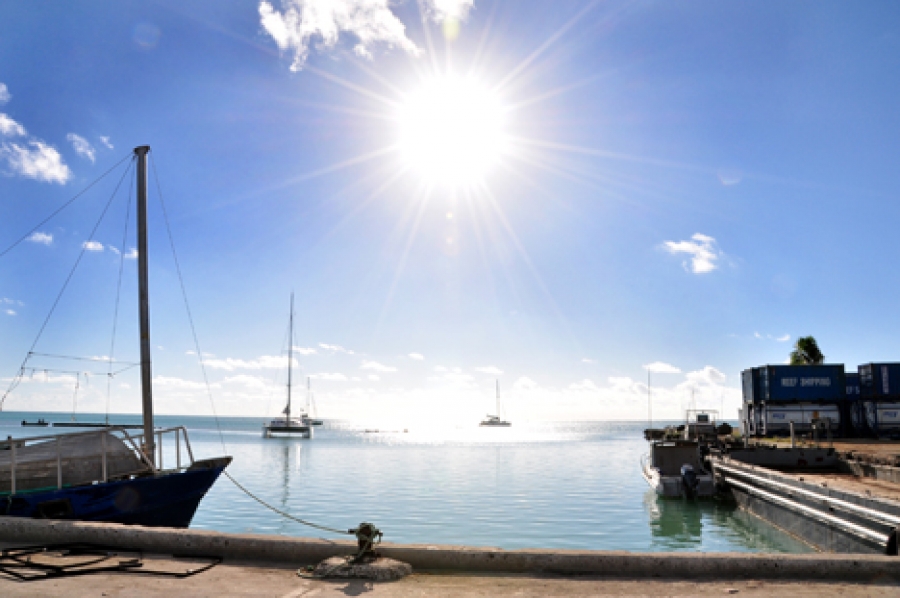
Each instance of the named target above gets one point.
<point>380,569</point>
<point>304,551</point>
<point>262,581</point>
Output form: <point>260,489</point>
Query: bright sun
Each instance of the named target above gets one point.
<point>452,131</point>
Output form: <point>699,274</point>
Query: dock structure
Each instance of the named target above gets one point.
<point>842,499</point>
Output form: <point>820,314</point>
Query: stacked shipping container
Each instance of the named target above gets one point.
<point>879,385</point>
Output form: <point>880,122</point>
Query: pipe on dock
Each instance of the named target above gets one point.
<point>300,551</point>
<point>828,501</point>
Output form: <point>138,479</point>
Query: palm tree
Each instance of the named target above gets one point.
<point>806,352</point>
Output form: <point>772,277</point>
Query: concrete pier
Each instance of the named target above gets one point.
<point>304,551</point>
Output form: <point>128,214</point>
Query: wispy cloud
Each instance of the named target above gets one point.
<point>702,249</point>
<point>453,9</point>
<point>266,362</point>
<point>416,356</point>
<point>373,377</point>
<point>377,367</point>
<point>321,23</point>
<point>43,238</point>
<point>584,386</point>
<point>92,246</point>
<point>659,367</point>
<point>778,339</point>
<point>10,312</point>
<point>587,360</point>
<point>335,348</point>
<point>105,141</point>
<point>4,93</point>
<point>9,127</point>
<point>329,377</point>
<point>305,350</point>
<point>492,370</point>
<point>82,146</point>
<point>36,160</point>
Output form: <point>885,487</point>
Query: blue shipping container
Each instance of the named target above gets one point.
<point>852,383</point>
<point>750,382</point>
<point>802,382</point>
<point>879,380</point>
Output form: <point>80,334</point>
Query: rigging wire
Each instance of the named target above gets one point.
<point>63,207</point>
<point>206,377</point>
<point>187,305</point>
<point>112,343</point>
<point>16,380</point>
<point>76,358</point>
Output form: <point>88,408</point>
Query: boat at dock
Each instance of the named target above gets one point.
<point>300,426</point>
<point>495,421</point>
<point>674,469</point>
<point>109,474</point>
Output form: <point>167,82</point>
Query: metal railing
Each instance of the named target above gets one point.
<point>176,447</point>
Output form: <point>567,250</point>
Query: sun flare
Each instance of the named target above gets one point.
<point>452,131</point>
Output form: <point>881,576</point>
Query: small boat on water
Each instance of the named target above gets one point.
<point>39,423</point>
<point>495,421</point>
<point>302,425</point>
<point>674,469</point>
<point>109,474</point>
<point>674,466</point>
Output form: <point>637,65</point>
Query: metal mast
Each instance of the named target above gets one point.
<point>287,411</point>
<point>144,300</point>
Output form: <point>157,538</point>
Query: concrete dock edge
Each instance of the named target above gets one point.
<point>16,531</point>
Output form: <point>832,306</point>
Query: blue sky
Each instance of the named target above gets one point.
<point>561,196</point>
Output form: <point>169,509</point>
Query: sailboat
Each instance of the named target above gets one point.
<point>494,420</point>
<point>292,426</point>
<point>311,406</point>
<point>109,474</point>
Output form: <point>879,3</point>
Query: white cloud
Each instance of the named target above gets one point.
<point>335,348</point>
<point>377,367</point>
<point>373,377</point>
<point>114,249</point>
<point>266,362</point>
<point>132,254</point>
<point>4,93</point>
<point>82,146</point>
<point>783,339</point>
<point>305,350</point>
<point>9,127</point>
<point>708,376</point>
<point>454,9</point>
<point>10,312</point>
<point>321,22</point>
<point>584,386</point>
<point>36,160</point>
<point>416,356</point>
<point>105,141</point>
<point>524,383</point>
<point>701,248</point>
<point>588,360</point>
<point>92,246</point>
<point>43,238</point>
<point>493,371</point>
<point>658,367</point>
<point>329,377</point>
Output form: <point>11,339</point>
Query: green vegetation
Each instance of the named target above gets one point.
<point>806,352</point>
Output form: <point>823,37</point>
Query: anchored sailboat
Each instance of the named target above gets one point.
<point>495,420</point>
<point>292,426</point>
<point>110,474</point>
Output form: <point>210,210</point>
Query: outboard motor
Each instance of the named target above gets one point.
<point>689,480</point>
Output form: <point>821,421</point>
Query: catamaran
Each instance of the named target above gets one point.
<point>302,425</point>
<point>495,420</point>
<point>109,474</point>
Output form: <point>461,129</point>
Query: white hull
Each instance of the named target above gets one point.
<point>672,486</point>
<point>294,428</point>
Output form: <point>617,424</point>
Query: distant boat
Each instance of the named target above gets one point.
<point>495,421</point>
<point>311,406</point>
<point>110,475</point>
<point>291,426</point>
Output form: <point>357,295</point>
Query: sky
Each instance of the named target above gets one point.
<point>571,199</point>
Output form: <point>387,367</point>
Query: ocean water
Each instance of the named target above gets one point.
<point>534,485</point>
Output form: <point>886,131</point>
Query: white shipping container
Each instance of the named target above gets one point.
<point>777,418</point>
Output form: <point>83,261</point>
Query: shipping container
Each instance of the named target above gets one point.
<point>882,418</point>
<point>851,382</point>
<point>802,382</point>
<point>777,418</point>
<point>879,380</point>
<point>750,383</point>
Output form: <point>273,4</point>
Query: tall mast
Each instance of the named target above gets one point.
<point>290,361</point>
<point>497,382</point>
<point>144,300</point>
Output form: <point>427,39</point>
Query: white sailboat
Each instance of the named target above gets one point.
<point>495,421</point>
<point>302,425</point>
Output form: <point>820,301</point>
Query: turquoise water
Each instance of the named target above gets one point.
<point>535,485</point>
